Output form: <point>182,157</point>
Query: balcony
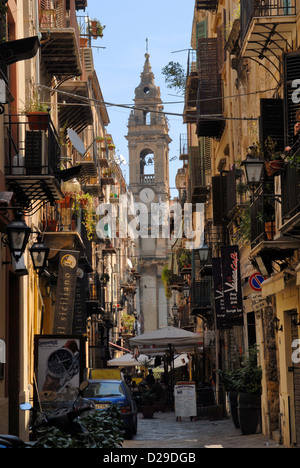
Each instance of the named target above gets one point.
<point>32,162</point>
<point>62,228</point>
<point>266,242</point>
<point>210,120</point>
<point>208,5</point>
<point>201,300</point>
<point>94,295</point>
<point>199,189</point>
<point>148,179</point>
<point>184,147</point>
<point>74,105</point>
<point>290,189</point>
<point>266,27</point>
<point>60,38</point>
<point>191,88</point>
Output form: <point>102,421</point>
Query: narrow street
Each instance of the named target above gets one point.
<point>163,431</point>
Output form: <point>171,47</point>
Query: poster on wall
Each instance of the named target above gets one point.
<point>59,366</point>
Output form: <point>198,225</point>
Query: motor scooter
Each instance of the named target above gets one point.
<point>63,419</point>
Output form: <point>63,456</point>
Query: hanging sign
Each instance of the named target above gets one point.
<point>232,286</point>
<point>219,294</point>
<point>65,294</point>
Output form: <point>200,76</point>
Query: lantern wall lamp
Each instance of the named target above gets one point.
<point>17,237</point>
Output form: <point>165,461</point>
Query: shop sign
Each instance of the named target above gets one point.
<point>65,294</point>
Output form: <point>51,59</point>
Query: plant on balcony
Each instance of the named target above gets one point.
<point>184,258</point>
<point>243,224</point>
<point>128,322</point>
<point>96,29</point>
<point>274,160</point>
<point>37,113</point>
<point>85,202</point>
<point>166,278</point>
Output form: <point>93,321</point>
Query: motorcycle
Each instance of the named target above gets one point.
<point>64,419</point>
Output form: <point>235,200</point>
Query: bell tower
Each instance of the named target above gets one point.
<point>148,144</point>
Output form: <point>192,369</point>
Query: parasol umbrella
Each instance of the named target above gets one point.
<point>128,361</point>
<point>160,341</point>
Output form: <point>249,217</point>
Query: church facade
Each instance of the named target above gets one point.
<point>148,143</point>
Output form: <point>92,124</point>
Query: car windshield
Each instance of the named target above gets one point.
<point>104,389</point>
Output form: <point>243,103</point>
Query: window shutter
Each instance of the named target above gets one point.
<point>231,190</point>
<point>209,78</point>
<point>271,122</point>
<point>219,188</point>
<point>291,98</point>
<point>201,30</point>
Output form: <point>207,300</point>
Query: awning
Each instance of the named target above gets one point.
<point>21,49</point>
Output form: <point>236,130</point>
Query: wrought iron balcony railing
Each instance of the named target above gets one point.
<point>32,160</point>
<point>201,300</point>
<point>209,5</point>
<point>262,212</point>
<point>290,190</point>
<point>271,8</point>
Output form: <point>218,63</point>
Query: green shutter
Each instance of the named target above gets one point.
<point>201,30</point>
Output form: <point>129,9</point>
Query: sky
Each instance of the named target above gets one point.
<point>167,24</point>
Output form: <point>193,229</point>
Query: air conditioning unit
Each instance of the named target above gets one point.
<point>36,153</point>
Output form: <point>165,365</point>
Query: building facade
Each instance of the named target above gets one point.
<point>241,101</point>
<point>60,176</point>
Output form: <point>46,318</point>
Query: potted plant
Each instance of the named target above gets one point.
<point>96,29</point>
<point>230,380</point>
<point>274,160</point>
<point>147,404</point>
<point>250,389</point>
<point>86,202</point>
<point>166,279</point>
<point>37,114</point>
<point>50,225</point>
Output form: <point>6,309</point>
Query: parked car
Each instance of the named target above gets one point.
<point>114,392</point>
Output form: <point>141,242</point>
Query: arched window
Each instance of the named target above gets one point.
<point>147,118</point>
<point>147,160</point>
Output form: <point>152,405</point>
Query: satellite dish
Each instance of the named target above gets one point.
<point>76,142</point>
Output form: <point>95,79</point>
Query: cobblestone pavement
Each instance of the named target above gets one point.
<point>165,432</point>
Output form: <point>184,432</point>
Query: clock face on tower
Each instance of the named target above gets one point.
<point>147,195</point>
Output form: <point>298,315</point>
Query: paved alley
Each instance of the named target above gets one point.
<point>165,432</point>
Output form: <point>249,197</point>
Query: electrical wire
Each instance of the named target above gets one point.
<point>129,107</point>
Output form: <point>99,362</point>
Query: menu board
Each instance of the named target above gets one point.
<point>185,400</point>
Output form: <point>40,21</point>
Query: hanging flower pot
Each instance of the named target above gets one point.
<point>270,230</point>
<point>274,167</point>
<point>38,120</point>
<point>94,27</point>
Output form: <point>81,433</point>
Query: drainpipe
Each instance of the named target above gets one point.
<point>38,55</point>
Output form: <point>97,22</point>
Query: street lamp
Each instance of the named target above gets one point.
<point>175,311</point>
<point>18,235</point>
<point>39,254</point>
<point>254,170</point>
<point>186,291</point>
<point>203,253</point>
